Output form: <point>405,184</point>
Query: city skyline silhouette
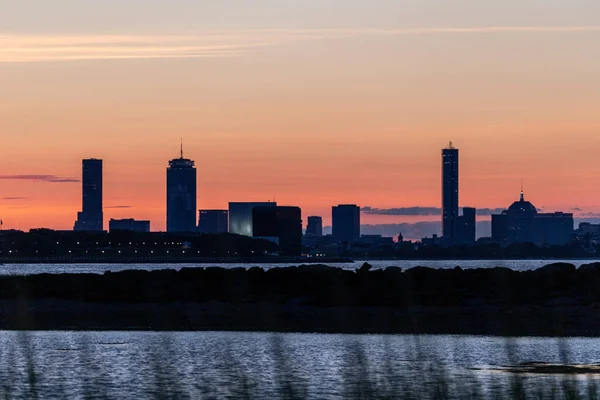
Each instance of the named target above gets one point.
<point>299,199</point>
<point>315,104</point>
<point>428,222</point>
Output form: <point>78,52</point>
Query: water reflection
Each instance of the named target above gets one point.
<point>192,365</point>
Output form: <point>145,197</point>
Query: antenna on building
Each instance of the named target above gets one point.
<point>181,149</point>
<point>522,194</point>
<point>451,145</point>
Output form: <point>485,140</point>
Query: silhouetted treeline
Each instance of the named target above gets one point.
<point>123,246</point>
<point>44,242</point>
<point>480,251</point>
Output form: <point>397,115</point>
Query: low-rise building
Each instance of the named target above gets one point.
<point>213,222</point>
<point>128,224</point>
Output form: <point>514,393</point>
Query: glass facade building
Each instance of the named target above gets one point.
<point>181,195</point>
<point>91,216</point>
<point>449,193</point>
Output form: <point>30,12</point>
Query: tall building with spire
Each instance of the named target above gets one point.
<point>91,217</point>
<point>449,193</point>
<point>181,195</point>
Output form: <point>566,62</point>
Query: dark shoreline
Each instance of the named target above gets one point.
<point>556,300</point>
<point>210,261</point>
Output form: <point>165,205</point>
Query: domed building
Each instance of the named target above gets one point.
<point>521,220</point>
<point>522,208</point>
<point>521,223</point>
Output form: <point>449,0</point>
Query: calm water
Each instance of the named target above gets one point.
<point>265,365</point>
<point>519,265</point>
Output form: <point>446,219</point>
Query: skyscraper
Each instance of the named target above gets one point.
<point>449,192</point>
<point>315,226</point>
<point>346,222</point>
<point>181,195</point>
<point>91,217</point>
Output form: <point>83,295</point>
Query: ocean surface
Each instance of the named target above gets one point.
<point>268,365</point>
<point>518,265</point>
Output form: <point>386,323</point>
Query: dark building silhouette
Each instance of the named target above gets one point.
<point>552,229</point>
<point>588,235</point>
<point>516,224</point>
<point>521,223</point>
<point>213,221</point>
<point>465,227</point>
<point>345,222</point>
<point>500,227</point>
<point>521,215</point>
<point>315,226</point>
<point>130,225</point>
<point>434,240</point>
<point>91,217</point>
<point>281,225</point>
<point>449,193</point>
<point>587,228</point>
<point>240,216</point>
<point>181,195</point>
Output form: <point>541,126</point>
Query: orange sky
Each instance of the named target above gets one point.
<point>323,113</point>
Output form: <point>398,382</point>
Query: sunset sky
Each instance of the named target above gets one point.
<point>310,102</point>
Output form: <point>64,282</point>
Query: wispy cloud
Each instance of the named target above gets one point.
<point>13,198</point>
<point>591,215</point>
<point>501,29</point>
<point>117,207</point>
<point>489,211</point>
<point>421,211</point>
<point>40,178</point>
<point>34,48</point>
<point>403,211</point>
<point>51,48</point>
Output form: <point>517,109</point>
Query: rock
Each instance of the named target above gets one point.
<point>320,285</point>
<point>591,267</point>
<point>366,267</point>
<point>556,268</point>
<point>419,270</point>
<point>393,270</point>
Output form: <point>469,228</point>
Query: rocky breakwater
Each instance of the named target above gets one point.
<point>555,300</point>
